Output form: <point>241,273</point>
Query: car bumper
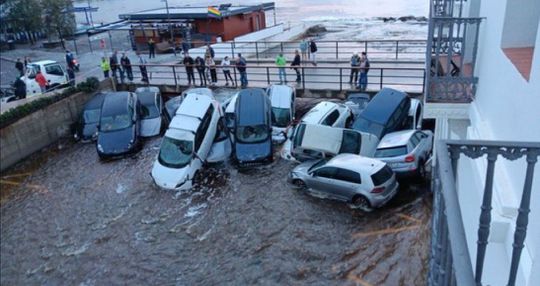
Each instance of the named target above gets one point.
<point>380,200</point>
<point>404,170</point>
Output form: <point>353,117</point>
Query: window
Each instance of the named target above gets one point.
<point>517,42</point>
<point>54,70</point>
<point>326,172</point>
<point>382,176</point>
<point>391,152</point>
<point>331,119</point>
<point>415,140</point>
<point>348,176</point>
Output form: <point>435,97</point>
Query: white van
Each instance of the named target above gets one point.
<point>54,73</point>
<point>313,141</point>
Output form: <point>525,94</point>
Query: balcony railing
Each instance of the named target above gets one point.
<point>450,260</point>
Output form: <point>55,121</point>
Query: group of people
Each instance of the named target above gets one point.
<point>122,69</point>
<point>359,65</point>
<point>308,48</point>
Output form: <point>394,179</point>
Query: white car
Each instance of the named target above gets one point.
<point>187,142</point>
<point>329,114</point>
<point>310,141</point>
<point>151,110</point>
<point>415,116</point>
<point>229,111</point>
<point>54,73</point>
<point>282,100</point>
<point>221,149</point>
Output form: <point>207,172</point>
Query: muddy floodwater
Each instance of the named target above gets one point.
<point>69,219</point>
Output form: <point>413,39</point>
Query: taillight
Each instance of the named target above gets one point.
<point>409,158</point>
<point>377,190</point>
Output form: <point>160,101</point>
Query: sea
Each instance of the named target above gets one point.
<point>344,19</point>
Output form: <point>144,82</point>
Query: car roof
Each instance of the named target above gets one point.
<point>147,89</point>
<point>382,105</point>
<point>356,163</point>
<point>248,106</point>
<point>315,114</point>
<point>115,103</point>
<point>280,95</point>
<point>44,62</point>
<point>322,138</point>
<point>147,98</point>
<point>194,105</point>
<point>184,123</point>
<point>199,90</point>
<point>394,139</point>
<point>95,102</point>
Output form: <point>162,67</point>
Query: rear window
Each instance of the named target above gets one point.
<point>382,176</point>
<point>391,152</point>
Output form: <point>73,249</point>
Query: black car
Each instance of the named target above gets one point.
<point>119,126</point>
<point>252,130</point>
<point>86,127</point>
<point>385,113</point>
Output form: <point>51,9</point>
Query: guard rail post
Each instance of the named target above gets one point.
<point>174,74</point>
<point>268,75</point>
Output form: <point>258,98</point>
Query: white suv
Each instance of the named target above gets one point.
<point>187,142</point>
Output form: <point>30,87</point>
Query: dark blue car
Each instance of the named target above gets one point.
<point>253,129</point>
<point>86,127</point>
<point>385,113</point>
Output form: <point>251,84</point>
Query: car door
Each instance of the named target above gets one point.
<point>347,183</point>
<point>323,180</point>
<point>55,74</point>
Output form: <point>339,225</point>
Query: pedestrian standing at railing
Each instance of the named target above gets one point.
<point>151,49</point>
<point>142,68</point>
<point>241,67</point>
<point>212,68</point>
<point>281,63</point>
<point>188,63</point>
<point>364,69</point>
<point>126,66</point>
<point>295,64</point>
<point>313,50</point>
<point>113,62</point>
<point>355,63</point>
<point>225,66</point>
<point>304,49</point>
<point>199,63</point>
<point>105,67</point>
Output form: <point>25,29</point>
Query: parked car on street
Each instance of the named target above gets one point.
<point>312,141</point>
<point>364,182</point>
<point>252,128</point>
<point>357,102</point>
<point>187,143</point>
<point>386,112</point>
<point>151,110</point>
<point>406,152</point>
<point>329,114</point>
<point>119,125</point>
<point>86,127</point>
<point>54,73</point>
<point>282,98</point>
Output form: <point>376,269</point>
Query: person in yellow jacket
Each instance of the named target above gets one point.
<point>105,67</point>
<point>281,63</point>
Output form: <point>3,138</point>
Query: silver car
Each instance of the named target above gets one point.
<point>406,152</point>
<point>366,183</point>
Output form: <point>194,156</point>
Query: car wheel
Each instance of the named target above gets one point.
<point>362,203</point>
<point>299,184</point>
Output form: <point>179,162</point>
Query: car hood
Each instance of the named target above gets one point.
<point>168,178</point>
<point>220,151</point>
<point>150,127</point>
<point>253,152</point>
<point>117,141</point>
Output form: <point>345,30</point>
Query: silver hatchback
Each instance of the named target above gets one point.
<point>364,182</point>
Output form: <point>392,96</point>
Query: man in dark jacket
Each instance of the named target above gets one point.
<point>126,66</point>
<point>210,51</point>
<point>364,69</point>
<point>296,64</point>
<point>20,88</point>
<point>313,51</point>
<point>355,62</point>
<point>19,66</point>
<point>189,63</point>
<point>69,59</point>
<point>241,67</point>
<point>71,76</point>
<point>199,63</point>
<point>113,62</point>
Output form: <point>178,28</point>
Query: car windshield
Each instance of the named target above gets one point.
<point>361,124</point>
<point>175,153</point>
<point>317,165</point>
<point>252,134</point>
<point>91,116</point>
<point>149,111</point>
<point>115,122</point>
<point>280,116</point>
<point>391,152</point>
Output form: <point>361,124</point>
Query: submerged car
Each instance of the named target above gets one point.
<point>311,141</point>
<point>151,110</point>
<point>86,127</point>
<point>282,100</point>
<point>252,129</point>
<point>187,142</point>
<point>329,114</point>
<point>364,182</point>
<point>406,152</point>
<point>119,125</point>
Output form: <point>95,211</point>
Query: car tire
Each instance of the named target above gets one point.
<point>362,203</point>
<point>299,184</point>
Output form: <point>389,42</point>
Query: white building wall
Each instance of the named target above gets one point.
<point>521,13</point>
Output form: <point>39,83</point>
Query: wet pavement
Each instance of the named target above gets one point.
<point>69,219</point>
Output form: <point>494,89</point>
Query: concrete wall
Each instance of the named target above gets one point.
<point>520,23</point>
<point>40,129</point>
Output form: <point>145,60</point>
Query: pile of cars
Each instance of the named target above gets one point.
<point>352,152</point>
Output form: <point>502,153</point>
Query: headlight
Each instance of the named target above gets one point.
<point>100,148</point>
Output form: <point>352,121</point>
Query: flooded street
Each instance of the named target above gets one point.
<point>69,219</point>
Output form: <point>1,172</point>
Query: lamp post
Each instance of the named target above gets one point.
<point>169,24</point>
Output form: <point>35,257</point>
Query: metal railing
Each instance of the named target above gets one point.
<point>450,260</point>
<point>410,80</point>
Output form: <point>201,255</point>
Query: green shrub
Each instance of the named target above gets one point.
<point>91,84</point>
